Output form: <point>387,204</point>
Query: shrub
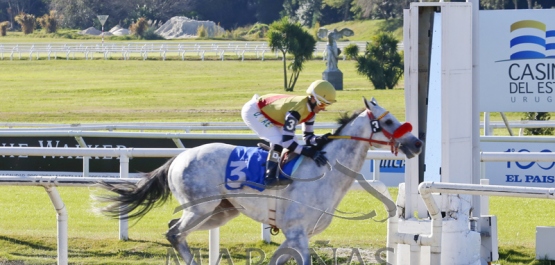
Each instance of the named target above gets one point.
<point>151,35</point>
<point>258,30</point>
<point>26,21</point>
<point>201,32</point>
<point>381,63</point>
<point>228,35</point>
<point>140,27</point>
<point>537,116</point>
<point>49,22</point>
<point>351,51</point>
<point>4,28</point>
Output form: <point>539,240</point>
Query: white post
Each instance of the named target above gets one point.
<point>487,130</point>
<point>484,200</point>
<point>414,255</point>
<point>85,166</point>
<point>391,243</point>
<point>213,246</point>
<point>376,173</point>
<point>266,236</point>
<point>86,159</point>
<point>62,223</point>
<point>124,173</point>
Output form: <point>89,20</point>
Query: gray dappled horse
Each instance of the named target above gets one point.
<point>303,209</point>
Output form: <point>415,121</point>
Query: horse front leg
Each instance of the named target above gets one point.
<point>295,247</point>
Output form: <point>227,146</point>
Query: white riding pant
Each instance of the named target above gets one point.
<point>264,128</point>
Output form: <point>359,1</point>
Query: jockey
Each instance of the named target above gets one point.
<point>274,118</point>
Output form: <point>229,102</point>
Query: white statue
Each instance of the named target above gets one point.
<point>332,52</point>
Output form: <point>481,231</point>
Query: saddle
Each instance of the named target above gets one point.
<point>246,167</point>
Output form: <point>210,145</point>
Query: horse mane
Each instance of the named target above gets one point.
<point>343,120</point>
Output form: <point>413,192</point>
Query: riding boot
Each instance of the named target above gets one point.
<point>272,164</point>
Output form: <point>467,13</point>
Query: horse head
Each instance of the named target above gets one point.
<point>387,130</point>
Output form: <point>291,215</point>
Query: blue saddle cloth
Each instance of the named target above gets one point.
<point>246,167</point>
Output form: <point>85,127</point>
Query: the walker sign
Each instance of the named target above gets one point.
<point>517,60</point>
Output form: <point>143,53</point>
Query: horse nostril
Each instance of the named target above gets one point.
<point>418,144</point>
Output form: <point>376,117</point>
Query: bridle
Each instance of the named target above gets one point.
<point>392,137</point>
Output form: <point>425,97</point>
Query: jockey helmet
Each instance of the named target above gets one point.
<point>322,91</point>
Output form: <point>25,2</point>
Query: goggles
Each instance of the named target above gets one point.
<point>320,101</point>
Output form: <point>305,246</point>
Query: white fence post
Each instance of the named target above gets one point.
<point>266,236</point>
<point>124,173</point>
<point>62,223</point>
<point>213,245</point>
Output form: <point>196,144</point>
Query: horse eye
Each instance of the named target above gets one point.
<point>388,122</point>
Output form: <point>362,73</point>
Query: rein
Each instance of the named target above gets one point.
<point>404,128</point>
<point>370,140</point>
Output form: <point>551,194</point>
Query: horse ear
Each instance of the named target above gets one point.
<point>366,102</point>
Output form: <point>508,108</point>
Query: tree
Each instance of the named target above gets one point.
<point>27,22</point>
<point>78,13</point>
<point>159,10</point>
<point>49,22</point>
<point>343,6</point>
<point>228,14</point>
<point>362,8</point>
<point>380,9</point>
<point>10,8</point>
<point>291,38</point>
<point>289,9</point>
<point>309,12</point>
<point>32,7</point>
<point>266,11</point>
<point>306,12</point>
<point>381,63</point>
<point>387,9</point>
<point>516,4</point>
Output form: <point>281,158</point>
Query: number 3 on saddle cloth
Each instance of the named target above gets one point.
<point>246,167</point>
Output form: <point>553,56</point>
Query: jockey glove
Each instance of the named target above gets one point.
<point>316,155</point>
<point>321,140</point>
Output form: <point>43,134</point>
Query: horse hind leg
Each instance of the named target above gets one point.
<point>220,216</point>
<point>210,215</point>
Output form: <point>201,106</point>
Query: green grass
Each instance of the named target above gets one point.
<point>112,91</point>
<point>79,91</point>
<point>28,229</point>
<point>59,91</point>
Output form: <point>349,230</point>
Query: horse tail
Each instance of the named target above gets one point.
<point>151,191</point>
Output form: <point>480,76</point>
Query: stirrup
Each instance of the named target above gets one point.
<point>274,182</point>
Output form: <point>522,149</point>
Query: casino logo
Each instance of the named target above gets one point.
<point>530,39</point>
